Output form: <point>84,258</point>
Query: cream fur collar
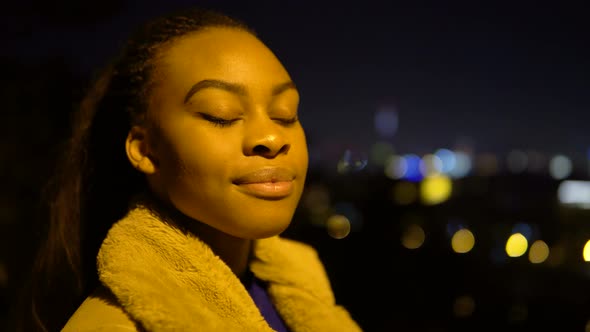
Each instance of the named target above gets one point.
<point>171,281</point>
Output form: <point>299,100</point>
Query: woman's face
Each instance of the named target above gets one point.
<point>228,148</point>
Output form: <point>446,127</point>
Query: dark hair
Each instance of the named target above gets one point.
<point>94,181</point>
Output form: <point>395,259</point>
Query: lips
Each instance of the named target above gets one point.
<point>267,183</point>
<point>266,175</point>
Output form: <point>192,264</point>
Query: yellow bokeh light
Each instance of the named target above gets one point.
<point>539,252</point>
<point>404,192</point>
<point>516,245</point>
<point>435,189</point>
<point>462,241</point>
<point>586,252</point>
<point>338,226</point>
<point>413,237</point>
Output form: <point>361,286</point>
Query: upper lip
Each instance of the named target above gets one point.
<point>264,175</point>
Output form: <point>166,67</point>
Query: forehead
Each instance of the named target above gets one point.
<point>220,53</point>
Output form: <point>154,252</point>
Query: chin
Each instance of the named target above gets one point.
<point>263,230</point>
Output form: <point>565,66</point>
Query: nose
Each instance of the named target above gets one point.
<point>265,138</point>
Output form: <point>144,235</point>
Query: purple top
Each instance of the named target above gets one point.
<point>257,290</point>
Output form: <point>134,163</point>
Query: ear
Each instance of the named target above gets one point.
<point>138,150</point>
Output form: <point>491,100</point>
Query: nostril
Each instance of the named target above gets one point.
<point>284,149</point>
<point>261,149</point>
<point>269,151</point>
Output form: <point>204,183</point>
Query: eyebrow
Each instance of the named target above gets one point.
<point>234,88</point>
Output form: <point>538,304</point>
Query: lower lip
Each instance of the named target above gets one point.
<point>268,190</point>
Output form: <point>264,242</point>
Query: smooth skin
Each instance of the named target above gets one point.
<point>223,144</point>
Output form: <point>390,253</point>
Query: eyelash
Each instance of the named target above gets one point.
<point>287,122</point>
<point>222,123</point>
<point>217,122</point>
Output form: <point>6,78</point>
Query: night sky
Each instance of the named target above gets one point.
<point>499,77</point>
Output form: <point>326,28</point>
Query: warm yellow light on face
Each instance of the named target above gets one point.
<point>516,245</point>
<point>223,75</point>
<point>413,237</point>
<point>462,241</point>
<point>435,189</point>
<point>539,252</point>
<point>586,252</point>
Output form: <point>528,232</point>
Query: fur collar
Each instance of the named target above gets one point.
<point>169,280</point>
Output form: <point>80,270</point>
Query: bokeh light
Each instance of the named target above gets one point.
<point>463,165</point>
<point>413,237</point>
<point>516,245</point>
<point>462,241</point>
<point>395,167</point>
<point>574,192</point>
<point>413,172</point>
<point>430,164</point>
<point>435,189</point>
<point>338,226</point>
<point>586,251</point>
<point>560,167</point>
<point>351,161</point>
<point>447,158</point>
<point>538,252</point>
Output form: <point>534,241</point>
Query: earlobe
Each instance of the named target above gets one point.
<point>138,150</point>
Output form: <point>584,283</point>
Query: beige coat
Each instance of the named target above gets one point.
<point>157,278</point>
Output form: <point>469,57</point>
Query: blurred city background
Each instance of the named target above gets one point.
<point>449,180</point>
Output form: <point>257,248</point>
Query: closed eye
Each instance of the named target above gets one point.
<point>287,122</point>
<point>217,122</point>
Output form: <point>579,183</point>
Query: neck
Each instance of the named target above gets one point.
<point>233,251</point>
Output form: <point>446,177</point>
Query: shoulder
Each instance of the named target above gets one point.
<point>100,312</point>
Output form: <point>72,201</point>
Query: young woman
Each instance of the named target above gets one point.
<point>186,163</point>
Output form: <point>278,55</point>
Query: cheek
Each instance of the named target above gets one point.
<point>197,159</point>
<point>186,147</point>
<point>301,143</point>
